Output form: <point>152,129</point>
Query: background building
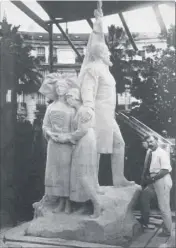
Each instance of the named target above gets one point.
<point>65,61</point>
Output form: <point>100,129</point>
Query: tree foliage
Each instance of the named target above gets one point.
<point>118,44</point>
<point>157,92</point>
<point>152,81</point>
<point>26,67</point>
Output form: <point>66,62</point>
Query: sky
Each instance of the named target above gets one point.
<point>139,20</point>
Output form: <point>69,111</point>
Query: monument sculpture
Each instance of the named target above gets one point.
<point>84,157</point>
<point>98,92</point>
<point>79,126</point>
<point>57,120</point>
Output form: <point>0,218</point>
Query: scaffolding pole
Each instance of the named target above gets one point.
<point>50,47</point>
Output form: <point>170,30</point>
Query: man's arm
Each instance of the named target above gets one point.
<point>160,175</point>
<point>166,168</point>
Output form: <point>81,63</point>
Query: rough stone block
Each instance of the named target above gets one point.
<point>116,226</point>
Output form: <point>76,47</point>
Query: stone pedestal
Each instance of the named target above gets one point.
<point>116,226</point>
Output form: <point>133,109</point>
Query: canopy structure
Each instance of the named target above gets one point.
<point>67,11</point>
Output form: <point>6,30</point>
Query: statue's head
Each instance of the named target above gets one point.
<point>73,96</point>
<point>61,86</point>
<point>55,85</point>
<point>100,51</point>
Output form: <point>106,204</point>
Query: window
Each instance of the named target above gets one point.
<point>54,51</point>
<point>40,50</point>
<point>41,53</point>
<point>54,55</point>
<point>54,58</point>
<point>66,56</point>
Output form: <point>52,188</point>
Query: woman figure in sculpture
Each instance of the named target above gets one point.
<point>83,180</point>
<point>57,121</point>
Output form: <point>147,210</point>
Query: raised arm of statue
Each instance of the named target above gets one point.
<point>98,12</point>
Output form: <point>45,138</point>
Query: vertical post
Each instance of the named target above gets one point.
<point>50,25</point>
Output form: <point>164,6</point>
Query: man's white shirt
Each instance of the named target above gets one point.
<point>161,160</point>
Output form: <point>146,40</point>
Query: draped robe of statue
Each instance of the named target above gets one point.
<point>58,119</point>
<point>84,159</point>
<point>98,91</point>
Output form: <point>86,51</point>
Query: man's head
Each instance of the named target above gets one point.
<point>152,142</point>
<point>100,51</point>
<point>144,144</point>
<point>21,115</point>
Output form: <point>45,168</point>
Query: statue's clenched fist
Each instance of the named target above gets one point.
<point>86,114</point>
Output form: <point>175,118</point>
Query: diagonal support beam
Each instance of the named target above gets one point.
<point>159,19</point>
<point>128,31</point>
<point>91,25</point>
<point>90,22</point>
<point>30,14</point>
<point>66,37</point>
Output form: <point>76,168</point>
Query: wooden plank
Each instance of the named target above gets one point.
<point>156,241</point>
<point>155,221</point>
<point>144,239</point>
<point>128,31</point>
<point>159,19</point>
<point>153,213</point>
<point>66,37</point>
<point>17,234</point>
<point>27,245</point>
<point>20,5</point>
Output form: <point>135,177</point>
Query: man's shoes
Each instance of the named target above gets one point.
<point>144,225</point>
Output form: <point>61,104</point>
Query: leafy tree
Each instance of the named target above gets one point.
<point>157,92</point>
<point>26,67</point>
<point>152,80</point>
<point>171,36</point>
<point>118,44</point>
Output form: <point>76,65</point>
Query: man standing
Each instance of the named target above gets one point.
<point>156,179</point>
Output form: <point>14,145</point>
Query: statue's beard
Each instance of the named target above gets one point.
<point>107,61</point>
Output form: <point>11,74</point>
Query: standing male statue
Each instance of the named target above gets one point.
<point>98,92</point>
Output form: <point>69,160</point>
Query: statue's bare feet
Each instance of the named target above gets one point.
<point>97,211</point>
<point>81,210</point>
<point>68,207</point>
<point>123,182</point>
<point>60,207</point>
<point>100,191</point>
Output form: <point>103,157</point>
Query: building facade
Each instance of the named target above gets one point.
<point>65,61</point>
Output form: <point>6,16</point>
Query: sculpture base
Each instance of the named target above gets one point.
<point>116,226</point>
